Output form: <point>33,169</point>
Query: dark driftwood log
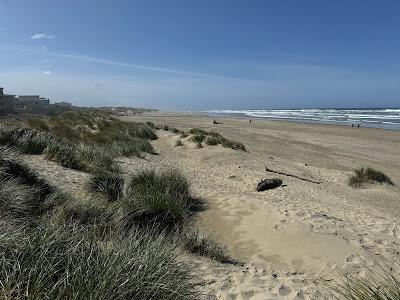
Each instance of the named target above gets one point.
<point>291,175</point>
<point>268,184</point>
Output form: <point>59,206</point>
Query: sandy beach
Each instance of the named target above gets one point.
<point>294,238</point>
<point>289,242</point>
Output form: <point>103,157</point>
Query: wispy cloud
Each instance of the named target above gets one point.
<point>42,36</point>
<point>47,72</point>
<point>91,59</point>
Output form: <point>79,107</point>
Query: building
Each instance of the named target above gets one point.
<point>32,104</point>
<point>7,103</point>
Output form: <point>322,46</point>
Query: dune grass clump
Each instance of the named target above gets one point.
<point>151,125</point>
<point>37,123</point>
<point>211,141</point>
<point>26,140</point>
<point>366,175</point>
<point>380,283</point>
<point>178,143</point>
<point>99,128</point>
<point>161,198</point>
<point>199,244</point>
<point>109,184</point>
<point>214,138</point>
<point>198,138</point>
<point>171,129</point>
<point>23,195</point>
<point>66,262</point>
<point>82,157</point>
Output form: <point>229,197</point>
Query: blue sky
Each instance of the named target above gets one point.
<point>208,54</point>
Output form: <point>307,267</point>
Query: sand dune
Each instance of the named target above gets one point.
<point>295,237</point>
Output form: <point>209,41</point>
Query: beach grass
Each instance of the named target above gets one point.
<point>84,141</point>
<point>178,143</point>
<point>55,246</point>
<point>366,175</point>
<point>69,262</point>
<point>152,197</point>
<point>213,138</point>
<point>199,244</point>
<point>110,184</point>
<point>379,283</point>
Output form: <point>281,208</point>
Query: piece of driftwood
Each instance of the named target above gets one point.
<point>292,175</point>
<point>268,184</point>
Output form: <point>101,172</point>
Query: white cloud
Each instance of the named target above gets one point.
<point>42,36</point>
<point>47,72</point>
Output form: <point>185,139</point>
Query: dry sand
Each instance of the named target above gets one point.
<point>293,238</point>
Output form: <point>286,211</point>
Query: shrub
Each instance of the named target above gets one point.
<point>178,143</point>
<point>156,197</point>
<point>165,127</point>
<point>368,175</point>
<point>70,263</point>
<point>109,184</point>
<point>184,135</point>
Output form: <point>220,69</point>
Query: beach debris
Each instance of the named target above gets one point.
<point>292,175</point>
<point>268,184</point>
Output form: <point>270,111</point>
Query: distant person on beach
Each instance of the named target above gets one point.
<point>358,125</point>
<point>352,125</point>
<point>250,121</point>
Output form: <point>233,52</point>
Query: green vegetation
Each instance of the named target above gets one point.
<point>198,138</point>
<point>109,184</point>
<point>214,138</point>
<point>85,141</point>
<point>211,141</point>
<point>68,262</point>
<point>126,245</point>
<point>199,244</point>
<point>171,129</point>
<point>161,198</point>
<point>122,238</point>
<point>368,175</point>
<point>23,195</point>
<point>178,143</point>
<point>381,283</point>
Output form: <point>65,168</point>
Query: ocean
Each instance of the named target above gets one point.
<point>387,118</point>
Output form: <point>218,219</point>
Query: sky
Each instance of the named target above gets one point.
<point>203,54</point>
